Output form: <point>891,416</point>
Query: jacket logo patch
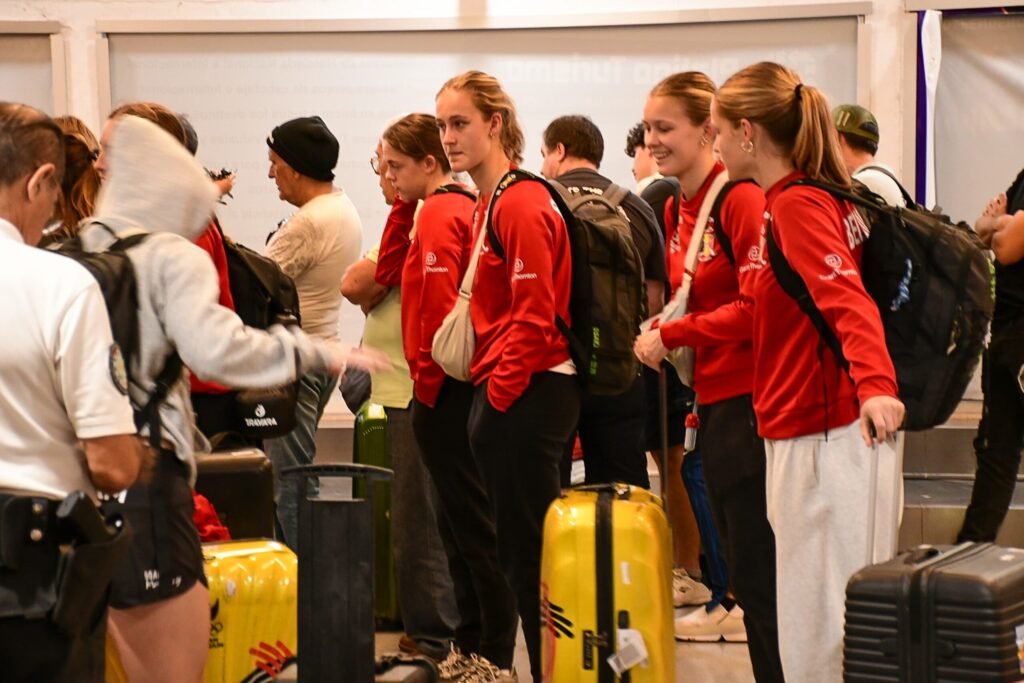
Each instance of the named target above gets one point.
<point>708,245</point>
<point>519,266</point>
<point>755,256</point>
<point>431,259</point>
<point>835,262</point>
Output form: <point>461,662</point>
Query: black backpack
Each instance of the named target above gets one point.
<point>931,282</point>
<point>115,274</point>
<point>608,300</point>
<point>263,296</point>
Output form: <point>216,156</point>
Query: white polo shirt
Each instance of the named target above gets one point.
<point>61,375</point>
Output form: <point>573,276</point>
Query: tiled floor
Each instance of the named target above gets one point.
<point>695,662</point>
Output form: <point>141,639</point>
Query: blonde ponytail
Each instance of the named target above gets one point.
<point>795,116</point>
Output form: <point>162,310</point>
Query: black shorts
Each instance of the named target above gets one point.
<point>680,403</point>
<point>166,558</point>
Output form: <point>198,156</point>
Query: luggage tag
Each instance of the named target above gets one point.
<point>631,651</point>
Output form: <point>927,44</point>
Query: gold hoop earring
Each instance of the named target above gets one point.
<point>747,146</point>
<point>704,140</point>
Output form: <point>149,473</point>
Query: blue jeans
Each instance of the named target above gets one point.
<point>298,448</point>
<point>718,573</point>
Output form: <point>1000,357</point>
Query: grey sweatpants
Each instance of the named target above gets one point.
<point>835,506</point>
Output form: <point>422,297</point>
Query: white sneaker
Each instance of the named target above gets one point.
<point>687,590</point>
<point>459,668</point>
<point>709,627</point>
<point>453,666</point>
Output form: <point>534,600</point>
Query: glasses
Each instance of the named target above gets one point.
<point>375,164</point>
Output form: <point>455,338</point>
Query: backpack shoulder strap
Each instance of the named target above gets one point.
<point>794,286</point>
<point>514,176</point>
<point>615,194</point>
<point>577,348</point>
<point>455,188</point>
<point>715,218</point>
<point>150,413</point>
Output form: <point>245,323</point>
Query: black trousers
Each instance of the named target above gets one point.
<point>999,439</point>
<point>487,605</point>
<point>734,472</point>
<point>520,452</point>
<point>611,430</point>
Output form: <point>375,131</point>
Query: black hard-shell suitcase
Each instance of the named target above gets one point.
<point>937,614</point>
<point>240,485</point>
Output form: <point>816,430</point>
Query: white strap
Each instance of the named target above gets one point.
<point>690,264</point>
<point>415,219</point>
<point>466,288</point>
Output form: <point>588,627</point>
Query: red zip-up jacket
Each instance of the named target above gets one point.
<point>394,244</point>
<point>438,256</point>
<point>684,218</point>
<point>213,244</point>
<point>719,322</point>
<point>799,388</point>
<point>515,300</point>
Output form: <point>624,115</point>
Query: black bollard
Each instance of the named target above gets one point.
<point>336,625</point>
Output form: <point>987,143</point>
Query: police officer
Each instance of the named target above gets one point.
<point>65,421</point>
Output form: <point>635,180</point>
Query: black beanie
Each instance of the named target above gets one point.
<point>307,146</point>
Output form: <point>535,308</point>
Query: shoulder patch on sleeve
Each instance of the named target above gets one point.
<point>118,373</point>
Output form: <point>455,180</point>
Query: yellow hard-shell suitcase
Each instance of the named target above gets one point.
<point>606,566</point>
<point>253,612</point>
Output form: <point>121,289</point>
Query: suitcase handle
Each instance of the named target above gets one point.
<point>920,554</point>
<point>343,471</point>
<point>619,489</point>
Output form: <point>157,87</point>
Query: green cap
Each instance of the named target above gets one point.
<point>854,119</point>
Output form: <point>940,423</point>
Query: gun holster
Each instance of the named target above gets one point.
<point>84,574</point>
<point>28,556</point>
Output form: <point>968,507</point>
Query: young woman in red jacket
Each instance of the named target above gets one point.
<point>718,327</point>
<point>438,255</point>
<point>834,483</point>
<point>527,400</point>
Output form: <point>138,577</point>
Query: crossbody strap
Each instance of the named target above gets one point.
<point>466,288</point>
<point>692,252</point>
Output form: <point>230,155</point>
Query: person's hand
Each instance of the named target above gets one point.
<point>649,348</point>
<point>880,418</point>
<point>996,207</point>
<point>368,359</point>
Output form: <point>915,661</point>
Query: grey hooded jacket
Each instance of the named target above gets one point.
<point>154,185</point>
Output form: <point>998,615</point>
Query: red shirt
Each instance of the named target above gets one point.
<point>438,256</point>
<point>684,219</point>
<point>515,300</point>
<point>213,244</point>
<point>795,374</point>
<point>394,244</point>
<point>719,324</point>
